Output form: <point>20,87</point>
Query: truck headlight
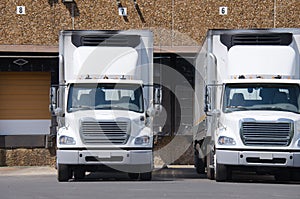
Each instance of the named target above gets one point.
<point>142,140</point>
<point>224,140</point>
<point>66,140</point>
<point>298,143</point>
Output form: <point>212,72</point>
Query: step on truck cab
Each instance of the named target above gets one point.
<point>248,82</point>
<point>104,103</point>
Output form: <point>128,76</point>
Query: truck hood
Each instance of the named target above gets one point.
<point>262,115</point>
<point>104,114</point>
<point>73,120</point>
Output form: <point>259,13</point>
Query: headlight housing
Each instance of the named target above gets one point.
<point>224,140</point>
<point>143,140</point>
<point>66,140</point>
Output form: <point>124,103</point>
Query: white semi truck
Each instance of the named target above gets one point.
<point>247,110</point>
<point>104,103</point>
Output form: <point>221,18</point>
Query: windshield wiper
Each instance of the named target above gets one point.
<point>103,106</point>
<point>77,108</point>
<point>118,107</point>
<point>276,109</point>
<point>110,106</point>
<point>236,108</point>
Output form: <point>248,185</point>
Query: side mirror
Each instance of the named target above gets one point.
<point>52,97</point>
<point>150,111</point>
<point>59,112</point>
<point>207,108</point>
<point>157,95</point>
<point>216,113</point>
<point>154,110</point>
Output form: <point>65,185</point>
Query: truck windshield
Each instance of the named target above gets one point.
<point>105,96</point>
<point>280,97</point>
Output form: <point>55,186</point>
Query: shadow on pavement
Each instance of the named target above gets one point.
<point>164,174</point>
<point>252,177</point>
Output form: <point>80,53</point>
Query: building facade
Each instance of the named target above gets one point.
<point>29,32</point>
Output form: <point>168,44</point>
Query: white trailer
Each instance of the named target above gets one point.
<point>248,101</point>
<point>104,103</point>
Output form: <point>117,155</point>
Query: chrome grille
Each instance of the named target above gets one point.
<point>267,134</point>
<point>96,132</point>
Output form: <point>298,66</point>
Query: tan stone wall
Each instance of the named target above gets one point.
<point>174,22</point>
<point>26,157</point>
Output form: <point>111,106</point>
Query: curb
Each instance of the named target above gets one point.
<point>27,171</point>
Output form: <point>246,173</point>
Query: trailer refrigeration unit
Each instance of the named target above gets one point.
<point>104,103</point>
<point>248,82</point>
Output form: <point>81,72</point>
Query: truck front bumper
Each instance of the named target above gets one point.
<point>258,158</point>
<point>125,160</point>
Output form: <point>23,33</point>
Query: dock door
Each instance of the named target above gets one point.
<point>25,81</point>
<point>177,90</point>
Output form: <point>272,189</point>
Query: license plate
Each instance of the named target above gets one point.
<point>104,155</point>
<point>266,156</point>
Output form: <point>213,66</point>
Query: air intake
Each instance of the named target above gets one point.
<point>104,132</point>
<point>280,39</point>
<point>114,40</point>
<point>266,133</point>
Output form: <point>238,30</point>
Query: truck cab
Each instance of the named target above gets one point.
<point>252,103</point>
<point>105,103</point>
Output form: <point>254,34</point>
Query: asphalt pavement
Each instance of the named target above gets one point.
<point>170,172</point>
<point>172,182</point>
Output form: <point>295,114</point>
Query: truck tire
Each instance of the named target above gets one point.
<point>64,173</point>
<point>79,174</point>
<point>133,176</point>
<point>146,176</point>
<point>210,170</point>
<point>223,173</point>
<point>199,163</point>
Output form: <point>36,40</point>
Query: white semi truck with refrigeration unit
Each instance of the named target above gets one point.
<point>248,103</point>
<point>104,103</point>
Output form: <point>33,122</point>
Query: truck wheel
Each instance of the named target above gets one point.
<point>210,171</point>
<point>79,173</point>
<point>64,173</point>
<point>199,163</point>
<point>222,173</point>
<point>133,176</point>
<point>146,176</point>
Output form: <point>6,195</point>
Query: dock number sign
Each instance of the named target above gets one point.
<point>223,10</point>
<point>123,11</point>
<point>20,10</point>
